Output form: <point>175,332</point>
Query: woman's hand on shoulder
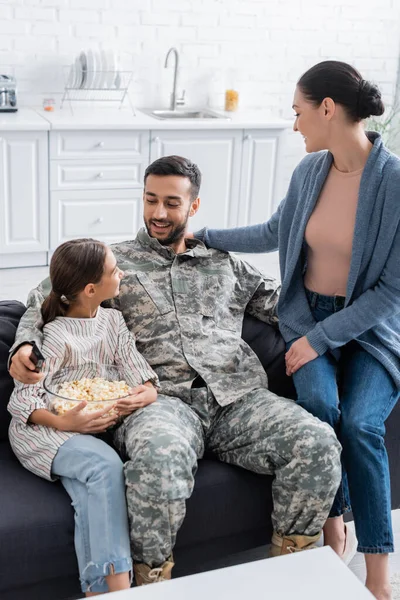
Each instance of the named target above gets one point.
<point>140,396</point>
<point>298,355</point>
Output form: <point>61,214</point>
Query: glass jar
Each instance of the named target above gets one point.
<point>49,104</point>
<point>231,100</point>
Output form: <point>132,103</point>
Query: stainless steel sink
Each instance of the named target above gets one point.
<point>183,114</point>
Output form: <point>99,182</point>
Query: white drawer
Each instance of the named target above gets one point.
<point>100,144</point>
<point>106,216</point>
<point>95,175</point>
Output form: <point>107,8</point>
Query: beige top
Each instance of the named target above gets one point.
<point>329,234</point>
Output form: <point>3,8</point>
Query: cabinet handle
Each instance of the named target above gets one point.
<point>156,139</point>
<point>247,137</point>
<point>100,145</point>
<point>99,221</point>
<point>100,175</point>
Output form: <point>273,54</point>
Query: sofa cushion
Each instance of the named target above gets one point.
<point>36,527</point>
<point>226,500</point>
<point>10,314</point>
<point>37,524</point>
<point>392,441</point>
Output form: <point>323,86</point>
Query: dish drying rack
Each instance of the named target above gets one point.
<point>96,86</point>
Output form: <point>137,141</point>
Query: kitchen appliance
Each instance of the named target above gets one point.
<point>8,94</point>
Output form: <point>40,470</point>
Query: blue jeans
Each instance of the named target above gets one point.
<point>355,394</point>
<point>92,474</point>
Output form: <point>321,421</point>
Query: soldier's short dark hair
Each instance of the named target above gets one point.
<point>177,165</point>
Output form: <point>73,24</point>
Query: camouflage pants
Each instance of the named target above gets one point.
<point>261,432</point>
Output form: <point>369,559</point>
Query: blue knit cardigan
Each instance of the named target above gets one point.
<point>371,315</point>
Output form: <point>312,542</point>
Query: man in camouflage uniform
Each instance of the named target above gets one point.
<point>185,304</point>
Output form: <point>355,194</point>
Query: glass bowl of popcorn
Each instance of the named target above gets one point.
<point>97,384</point>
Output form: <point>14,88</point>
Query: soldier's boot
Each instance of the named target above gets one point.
<point>292,543</point>
<point>144,575</point>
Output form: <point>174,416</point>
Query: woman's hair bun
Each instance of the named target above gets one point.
<point>369,100</point>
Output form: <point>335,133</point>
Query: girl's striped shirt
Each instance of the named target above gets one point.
<point>70,342</point>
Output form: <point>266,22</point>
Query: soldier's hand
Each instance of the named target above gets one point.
<point>140,396</point>
<point>22,368</point>
<point>189,235</point>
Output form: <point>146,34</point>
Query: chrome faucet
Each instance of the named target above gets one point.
<point>174,100</point>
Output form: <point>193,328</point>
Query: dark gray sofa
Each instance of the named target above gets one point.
<point>229,511</point>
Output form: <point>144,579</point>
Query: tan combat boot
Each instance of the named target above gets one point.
<point>145,574</point>
<point>292,543</point>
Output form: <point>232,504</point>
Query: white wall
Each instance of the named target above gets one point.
<point>263,45</point>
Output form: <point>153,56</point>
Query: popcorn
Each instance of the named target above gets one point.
<point>93,390</point>
<point>97,392</point>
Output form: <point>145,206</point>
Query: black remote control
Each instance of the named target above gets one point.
<point>37,358</point>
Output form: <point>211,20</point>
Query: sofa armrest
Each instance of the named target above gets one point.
<point>10,314</point>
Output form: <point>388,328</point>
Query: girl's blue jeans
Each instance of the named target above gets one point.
<point>92,474</point>
<point>355,395</point>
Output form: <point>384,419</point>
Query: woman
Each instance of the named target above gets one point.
<point>338,236</point>
<point>78,332</point>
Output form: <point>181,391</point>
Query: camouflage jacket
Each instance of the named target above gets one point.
<point>186,313</point>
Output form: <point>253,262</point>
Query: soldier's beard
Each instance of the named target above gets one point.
<point>176,235</point>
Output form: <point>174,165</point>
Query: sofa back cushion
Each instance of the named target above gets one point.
<point>10,314</point>
<point>267,342</point>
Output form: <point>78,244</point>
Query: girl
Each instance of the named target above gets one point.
<point>76,331</point>
<point>338,235</point>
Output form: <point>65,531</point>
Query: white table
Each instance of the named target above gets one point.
<point>312,575</point>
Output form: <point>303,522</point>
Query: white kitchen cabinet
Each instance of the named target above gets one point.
<point>108,215</point>
<point>24,208</point>
<point>98,144</point>
<point>95,174</point>
<point>258,193</point>
<point>218,155</point>
<point>96,183</point>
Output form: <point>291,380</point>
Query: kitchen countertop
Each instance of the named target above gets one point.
<point>30,119</point>
<point>110,118</point>
<point>25,119</point>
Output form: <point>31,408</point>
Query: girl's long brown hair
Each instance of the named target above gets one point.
<point>74,264</point>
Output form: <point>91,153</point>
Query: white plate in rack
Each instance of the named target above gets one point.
<point>98,82</point>
<point>71,76</point>
<point>78,73</point>
<point>102,69</point>
<point>82,59</point>
<point>111,67</point>
<point>91,69</point>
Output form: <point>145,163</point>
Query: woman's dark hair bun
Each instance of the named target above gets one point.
<point>369,100</point>
<point>344,84</point>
